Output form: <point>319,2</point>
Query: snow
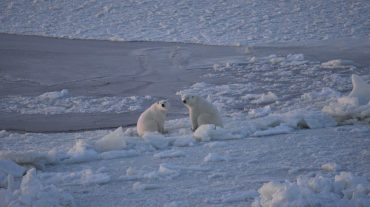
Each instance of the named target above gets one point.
<point>207,22</point>
<point>343,189</point>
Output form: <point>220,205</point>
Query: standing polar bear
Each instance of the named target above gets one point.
<point>152,119</point>
<point>201,111</point>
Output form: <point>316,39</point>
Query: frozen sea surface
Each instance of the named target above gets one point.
<point>218,22</point>
<point>285,141</point>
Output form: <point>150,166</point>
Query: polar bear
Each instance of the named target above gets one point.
<point>201,111</point>
<point>152,119</point>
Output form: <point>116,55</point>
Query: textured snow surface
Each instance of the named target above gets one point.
<point>218,22</point>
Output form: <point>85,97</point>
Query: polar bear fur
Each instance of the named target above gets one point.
<point>152,119</point>
<point>201,111</point>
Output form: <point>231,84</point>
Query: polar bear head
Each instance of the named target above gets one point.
<point>161,105</point>
<point>189,100</point>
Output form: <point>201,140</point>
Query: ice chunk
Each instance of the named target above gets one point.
<point>81,152</point>
<point>214,157</point>
<point>260,112</point>
<point>112,141</point>
<point>360,90</point>
<point>33,158</point>
<point>354,106</point>
<point>210,132</point>
<point>337,63</point>
<point>11,168</point>
<point>321,190</point>
<point>329,167</point>
<point>55,94</point>
<point>269,97</point>
<point>308,119</point>
<point>33,192</point>
<point>156,140</point>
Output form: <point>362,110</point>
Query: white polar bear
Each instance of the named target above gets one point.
<point>201,111</point>
<point>152,119</point>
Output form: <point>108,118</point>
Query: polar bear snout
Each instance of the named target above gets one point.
<point>184,101</point>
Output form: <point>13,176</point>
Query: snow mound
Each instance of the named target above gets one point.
<point>354,106</point>
<point>337,63</point>
<point>81,152</point>
<point>32,192</point>
<point>112,141</point>
<point>343,189</point>
<point>210,132</point>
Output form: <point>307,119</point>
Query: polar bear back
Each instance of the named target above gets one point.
<point>151,120</point>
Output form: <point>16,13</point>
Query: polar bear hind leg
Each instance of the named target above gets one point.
<point>148,126</point>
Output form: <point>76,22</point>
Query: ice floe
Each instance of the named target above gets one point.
<point>342,189</point>
<point>355,106</point>
<point>33,192</point>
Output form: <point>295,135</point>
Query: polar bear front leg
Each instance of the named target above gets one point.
<point>194,121</point>
<point>161,128</point>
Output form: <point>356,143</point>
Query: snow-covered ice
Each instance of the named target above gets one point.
<point>294,133</point>
<point>208,22</point>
